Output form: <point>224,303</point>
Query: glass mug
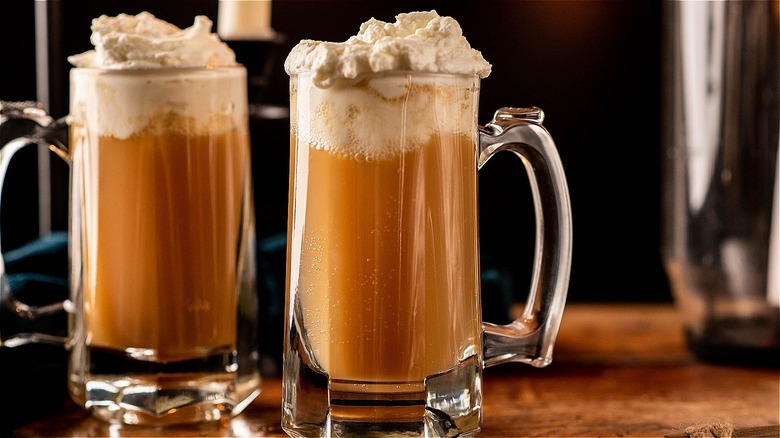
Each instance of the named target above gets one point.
<point>162,308</point>
<point>383,327</point>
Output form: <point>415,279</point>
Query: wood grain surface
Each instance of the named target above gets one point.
<point>619,371</point>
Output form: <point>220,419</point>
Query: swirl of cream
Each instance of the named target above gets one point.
<point>144,42</point>
<point>417,41</point>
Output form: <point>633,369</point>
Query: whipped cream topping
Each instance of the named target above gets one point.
<point>144,42</point>
<point>417,41</point>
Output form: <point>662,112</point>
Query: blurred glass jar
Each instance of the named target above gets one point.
<point>720,183</point>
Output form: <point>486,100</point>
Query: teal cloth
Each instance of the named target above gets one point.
<point>33,377</point>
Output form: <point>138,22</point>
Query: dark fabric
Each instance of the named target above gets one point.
<point>47,256</point>
<point>33,377</point>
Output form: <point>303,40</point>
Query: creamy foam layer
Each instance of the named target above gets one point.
<point>194,101</point>
<point>143,41</point>
<point>383,115</point>
<point>417,41</point>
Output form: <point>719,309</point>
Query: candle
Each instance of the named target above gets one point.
<point>244,20</point>
<point>773,280</point>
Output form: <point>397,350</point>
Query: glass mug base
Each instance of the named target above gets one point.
<point>120,387</point>
<point>727,320</point>
<point>441,405</point>
<point>752,341</point>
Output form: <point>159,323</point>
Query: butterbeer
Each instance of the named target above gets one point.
<point>383,229</point>
<point>383,330</point>
<point>162,226</point>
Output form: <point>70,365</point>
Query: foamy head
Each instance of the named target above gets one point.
<point>194,101</point>
<point>417,41</point>
<point>383,115</point>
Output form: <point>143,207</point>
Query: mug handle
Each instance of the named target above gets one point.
<point>25,124</point>
<point>530,338</point>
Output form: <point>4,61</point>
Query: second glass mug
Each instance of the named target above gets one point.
<point>383,331</point>
<point>163,306</point>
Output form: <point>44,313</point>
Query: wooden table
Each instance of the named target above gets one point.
<point>619,370</point>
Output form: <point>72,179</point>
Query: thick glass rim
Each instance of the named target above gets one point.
<point>309,73</point>
<point>163,70</point>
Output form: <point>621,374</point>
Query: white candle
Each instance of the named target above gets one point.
<point>244,20</point>
<point>773,277</point>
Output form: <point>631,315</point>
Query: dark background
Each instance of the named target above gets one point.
<point>592,65</point>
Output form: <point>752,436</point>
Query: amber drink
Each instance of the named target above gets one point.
<point>163,228</point>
